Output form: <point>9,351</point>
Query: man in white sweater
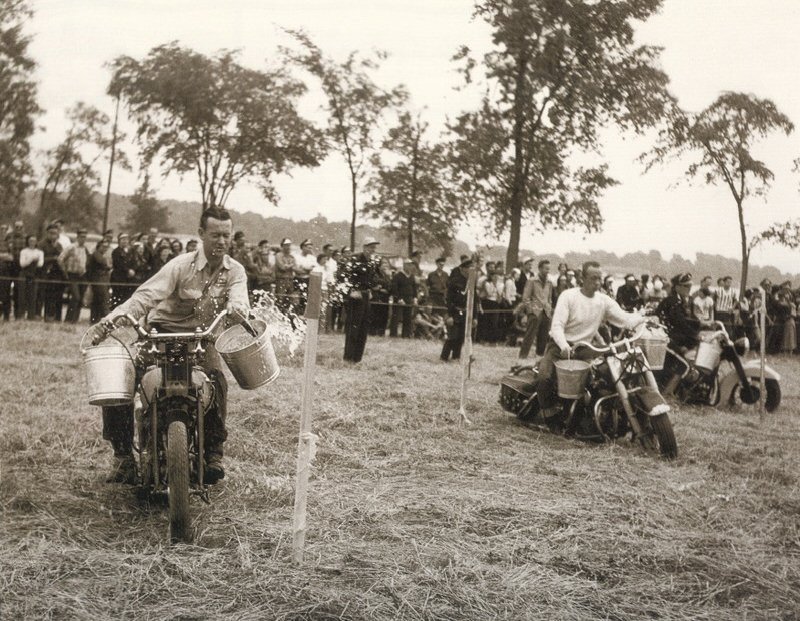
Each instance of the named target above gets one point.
<point>578,314</point>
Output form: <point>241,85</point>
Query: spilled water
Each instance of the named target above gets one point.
<point>287,328</point>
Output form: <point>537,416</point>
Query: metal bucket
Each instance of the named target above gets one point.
<point>110,373</point>
<point>655,350</point>
<point>571,376</point>
<point>708,355</point>
<point>251,359</point>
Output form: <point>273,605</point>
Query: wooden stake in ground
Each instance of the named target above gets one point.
<point>466,353</point>
<point>305,445</point>
<point>762,321</point>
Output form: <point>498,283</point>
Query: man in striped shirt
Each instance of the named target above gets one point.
<point>726,303</point>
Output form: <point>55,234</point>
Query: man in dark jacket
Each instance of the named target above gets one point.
<point>437,288</point>
<point>358,276</point>
<point>683,329</point>
<point>404,293</point>
<point>456,307</point>
<point>52,274</point>
<point>628,296</point>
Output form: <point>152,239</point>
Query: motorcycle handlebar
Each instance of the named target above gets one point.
<point>166,336</point>
<point>612,346</point>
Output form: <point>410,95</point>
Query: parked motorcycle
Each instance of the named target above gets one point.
<point>619,398</point>
<point>705,381</point>
<point>174,394</point>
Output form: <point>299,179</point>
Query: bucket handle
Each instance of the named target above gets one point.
<point>83,349</point>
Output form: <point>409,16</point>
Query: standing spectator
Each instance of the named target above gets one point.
<point>161,258</point>
<point>191,246</point>
<point>177,248</point>
<point>123,272</point>
<point>608,287</point>
<point>6,273</point>
<point>726,304</point>
<point>31,261</point>
<point>264,263</point>
<point>628,295</point>
<point>538,298</point>
<point>98,273</point>
<point>284,275</point>
<point>379,308</point>
<point>508,301</point>
<point>490,302</point>
<point>358,276</point>
<point>456,309</point>
<point>151,249</point>
<point>305,263</point>
<point>16,239</point>
<point>656,293</point>
<point>63,238</point>
<point>52,274</point>
<point>437,288</point>
<point>73,263</point>
<point>785,313</point>
<point>404,294</point>
<point>527,273</point>
<point>561,285</point>
<point>703,306</point>
<point>240,253</point>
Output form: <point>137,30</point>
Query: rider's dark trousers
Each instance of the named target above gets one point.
<point>118,420</point>
<point>547,388</point>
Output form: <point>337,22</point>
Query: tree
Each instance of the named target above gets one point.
<point>70,178</point>
<point>146,212</point>
<point>18,107</point>
<point>559,70</point>
<point>719,144</point>
<point>215,118</point>
<point>355,106</point>
<point>411,196</point>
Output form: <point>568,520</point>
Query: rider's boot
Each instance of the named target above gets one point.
<point>554,419</point>
<point>671,385</point>
<point>123,469</point>
<point>214,471</point>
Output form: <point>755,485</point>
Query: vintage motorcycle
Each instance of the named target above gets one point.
<point>174,395</point>
<point>704,380</point>
<point>619,398</point>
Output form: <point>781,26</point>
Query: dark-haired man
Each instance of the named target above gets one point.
<point>357,278</point>
<point>457,309</point>
<point>578,314</point>
<point>185,294</point>
<point>538,300</point>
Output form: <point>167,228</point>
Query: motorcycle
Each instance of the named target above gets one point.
<point>173,397</point>
<point>703,380</point>
<point>619,399</point>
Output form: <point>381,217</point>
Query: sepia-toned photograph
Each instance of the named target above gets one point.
<point>424,309</point>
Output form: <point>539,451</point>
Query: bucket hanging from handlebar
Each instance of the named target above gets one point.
<point>110,374</point>
<point>571,377</point>
<point>654,347</point>
<point>251,359</point>
<point>708,355</point>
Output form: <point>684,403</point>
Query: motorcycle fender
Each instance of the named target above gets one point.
<point>752,368</point>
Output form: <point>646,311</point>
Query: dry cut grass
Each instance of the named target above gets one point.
<point>411,515</point>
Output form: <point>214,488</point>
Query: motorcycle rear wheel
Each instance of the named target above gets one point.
<point>180,530</point>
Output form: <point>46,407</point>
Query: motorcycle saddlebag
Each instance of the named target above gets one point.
<point>516,389</point>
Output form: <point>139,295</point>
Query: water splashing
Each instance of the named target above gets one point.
<point>287,328</point>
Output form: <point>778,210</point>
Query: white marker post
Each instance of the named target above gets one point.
<point>305,445</point>
<point>762,321</point>
<point>466,353</point>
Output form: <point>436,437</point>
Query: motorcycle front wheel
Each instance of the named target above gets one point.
<point>772,387</point>
<point>658,435</point>
<point>178,483</point>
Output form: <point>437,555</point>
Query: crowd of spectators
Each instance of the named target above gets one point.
<point>39,278</point>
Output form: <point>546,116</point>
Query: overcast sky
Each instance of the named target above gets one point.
<point>710,46</point>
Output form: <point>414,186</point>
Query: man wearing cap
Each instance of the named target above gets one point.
<point>457,309</point>
<point>73,264</point>
<point>305,263</point>
<point>437,288</point>
<point>357,278</point>
<point>52,274</point>
<point>673,311</point>
<point>404,295</point>
<point>186,294</point>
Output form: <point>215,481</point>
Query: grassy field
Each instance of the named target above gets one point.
<point>411,515</point>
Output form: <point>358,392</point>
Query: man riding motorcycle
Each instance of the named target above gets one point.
<point>683,329</point>
<point>187,293</point>
<point>577,317</point>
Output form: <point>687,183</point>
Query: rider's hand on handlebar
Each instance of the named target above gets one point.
<point>566,352</point>
<point>102,330</point>
<point>237,311</point>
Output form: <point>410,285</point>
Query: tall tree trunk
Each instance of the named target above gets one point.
<point>110,168</point>
<point>518,185</point>
<point>410,229</point>
<point>745,250</point>
<point>353,187</point>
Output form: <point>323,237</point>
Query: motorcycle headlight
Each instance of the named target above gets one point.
<point>741,346</point>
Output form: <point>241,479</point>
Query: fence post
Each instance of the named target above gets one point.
<point>466,354</point>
